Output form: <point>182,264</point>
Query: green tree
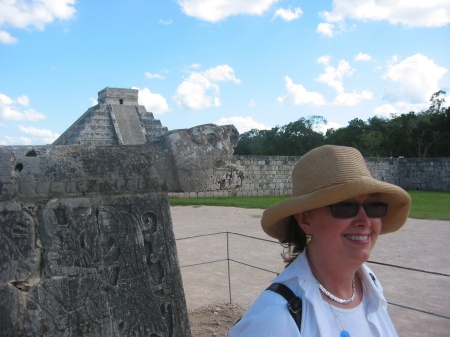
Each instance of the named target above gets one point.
<point>351,135</point>
<point>421,134</point>
<point>299,137</point>
<point>249,142</point>
<point>429,129</point>
<point>400,135</point>
<point>293,139</point>
<point>434,140</point>
<point>442,146</point>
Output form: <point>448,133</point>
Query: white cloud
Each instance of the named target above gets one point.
<point>33,13</point>
<point>152,76</point>
<point>7,38</point>
<point>298,95</point>
<point>93,101</point>
<point>154,103</point>
<point>352,98</point>
<point>17,109</point>
<point>288,14</point>
<point>398,108</point>
<point>165,22</point>
<point>334,76</point>
<point>46,136</point>
<point>324,59</point>
<point>7,140</point>
<point>252,103</point>
<point>5,100</point>
<point>23,100</point>
<point>329,29</point>
<point>243,124</point>
<point>322,128</point>
<point>221,73</point>
<point>417,78</point>
<point>363,57</point>
<point>218,10</point>
<point>326,29</point>
<point>412,13</point>
<point>199,91</point>
<point>385,110</point>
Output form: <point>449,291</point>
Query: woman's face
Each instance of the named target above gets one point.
<point>347,240</point>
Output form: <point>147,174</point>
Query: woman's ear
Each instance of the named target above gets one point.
<point>303,222</point>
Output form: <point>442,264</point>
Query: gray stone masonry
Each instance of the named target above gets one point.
<point>126,123</point>
<point>271,175</point>
<point>117,119</point>
<point>86,238</point>
<point>118,96</point>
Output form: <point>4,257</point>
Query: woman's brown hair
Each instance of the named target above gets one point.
<point>295,241</point>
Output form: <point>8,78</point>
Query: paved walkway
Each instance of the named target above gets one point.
<point>419,245</point>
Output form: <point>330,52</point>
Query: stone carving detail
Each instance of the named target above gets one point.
<point>122,257</point>
<point>153,236</point>
<point>187,160</point>
<point>18,254</point>
<point>87,246</point>
<point>109,269</point>
<point>203,149</point>
<point>232,177</point>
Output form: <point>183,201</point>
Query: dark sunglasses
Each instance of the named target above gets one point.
<point>345,210</point>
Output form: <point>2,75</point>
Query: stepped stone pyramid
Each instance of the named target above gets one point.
<point>117,119</point>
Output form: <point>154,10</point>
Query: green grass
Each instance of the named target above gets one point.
<point>430,205</point>
<point>241,202</point>
<point>425,204</point>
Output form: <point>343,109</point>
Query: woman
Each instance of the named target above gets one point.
<point>329,227</point>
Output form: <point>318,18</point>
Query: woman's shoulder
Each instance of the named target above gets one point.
<point>267,316</point>
<point>268,302</point>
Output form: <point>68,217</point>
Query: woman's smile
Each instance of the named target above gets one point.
<point>357,237</point>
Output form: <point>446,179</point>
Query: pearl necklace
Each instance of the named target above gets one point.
<point>335,298</point>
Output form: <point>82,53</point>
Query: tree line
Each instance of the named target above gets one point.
<point>414,134</point>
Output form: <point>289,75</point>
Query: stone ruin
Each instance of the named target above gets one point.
<point>86,240</point>
<point>117,119</point>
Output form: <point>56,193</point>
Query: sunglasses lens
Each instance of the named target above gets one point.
<point>344,210</point>
<point>376,209</point>
<point>349,210</point>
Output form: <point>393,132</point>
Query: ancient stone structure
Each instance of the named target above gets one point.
<point>117,119</point>
<point>271,175</point>
<point>86,240</point>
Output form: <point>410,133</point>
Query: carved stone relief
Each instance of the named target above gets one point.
<point>86,240</point>
<point>109,268</point>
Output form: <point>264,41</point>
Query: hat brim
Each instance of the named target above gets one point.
<point>276,218</point>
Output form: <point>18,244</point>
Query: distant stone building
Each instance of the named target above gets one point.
<point>117,119</point>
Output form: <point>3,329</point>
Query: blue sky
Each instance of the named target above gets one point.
<point>254,63</point>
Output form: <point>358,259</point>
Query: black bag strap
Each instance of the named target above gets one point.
<point>294,302</point>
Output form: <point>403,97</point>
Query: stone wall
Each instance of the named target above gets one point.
<point>265,175</point>
<point>424,173</point>
<point>271,175</point>
<point>86,239</point>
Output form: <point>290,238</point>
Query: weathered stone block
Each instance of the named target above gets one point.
<point>91,267</point>
<point>86,240</point>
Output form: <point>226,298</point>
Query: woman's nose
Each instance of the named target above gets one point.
<point>361,218</point>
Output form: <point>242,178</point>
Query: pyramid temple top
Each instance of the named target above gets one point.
<point>118,96</point>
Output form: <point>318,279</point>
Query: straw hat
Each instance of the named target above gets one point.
<point>330,174</point>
